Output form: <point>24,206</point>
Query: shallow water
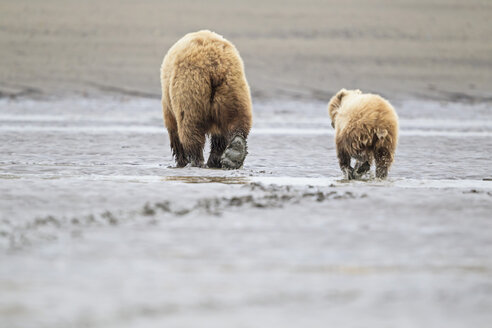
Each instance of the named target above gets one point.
<point>97,229</point>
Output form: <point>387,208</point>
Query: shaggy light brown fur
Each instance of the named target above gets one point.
<point>366,128</point>
<point>204,91</point>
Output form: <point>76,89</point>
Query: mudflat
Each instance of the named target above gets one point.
<point>296,49</point>
<point>99,229</point>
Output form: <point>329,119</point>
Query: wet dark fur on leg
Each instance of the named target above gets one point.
<point>178,151</point>
<point>344,161</point>
<point>218,144</point>
<point>383,160</point>
<point>362,167</point>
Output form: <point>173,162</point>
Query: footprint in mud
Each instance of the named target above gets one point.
<point>234,155</point>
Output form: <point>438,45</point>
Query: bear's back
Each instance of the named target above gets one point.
<point>202,50</point>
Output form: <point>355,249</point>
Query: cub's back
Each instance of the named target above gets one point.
<point>368,109</point>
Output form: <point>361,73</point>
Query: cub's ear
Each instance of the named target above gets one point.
<point>358,91</point>
<point>341,94</point>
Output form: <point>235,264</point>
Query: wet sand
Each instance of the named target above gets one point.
<point>403,49</point>
<point>98,229</point>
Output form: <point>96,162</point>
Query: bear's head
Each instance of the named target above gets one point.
<point>336,102</point>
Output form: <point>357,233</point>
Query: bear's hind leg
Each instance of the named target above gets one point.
<point>235,153</point>
<point>384,159</point>
<point>193,139</point>
<point>218,144</point>
<point>232,103</point>
<point>176,146</point>
<point>237,148</point>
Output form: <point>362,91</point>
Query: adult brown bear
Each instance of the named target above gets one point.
<point>366,128</point>
<point>205,92</point>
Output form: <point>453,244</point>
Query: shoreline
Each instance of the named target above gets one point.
<point>107,91</point>
<point>421,50</point>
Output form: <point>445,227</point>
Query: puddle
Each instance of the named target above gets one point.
<point>202,179</point>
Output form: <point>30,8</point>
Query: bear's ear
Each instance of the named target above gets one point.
<point>357,91</point>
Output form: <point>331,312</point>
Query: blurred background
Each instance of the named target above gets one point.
<point>428,49</point>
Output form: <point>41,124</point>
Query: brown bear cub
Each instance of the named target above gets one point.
<point>366,129</point>
<point>205,92</point>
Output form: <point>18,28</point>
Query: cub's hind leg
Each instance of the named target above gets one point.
<point>361,168</point>
<point>344,162</point>
<point>362,164</point>
<point>384,159</point>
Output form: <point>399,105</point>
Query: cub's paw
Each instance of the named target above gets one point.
<point>348,173</point>
<point>234,155</point>
<point>361,169</point>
